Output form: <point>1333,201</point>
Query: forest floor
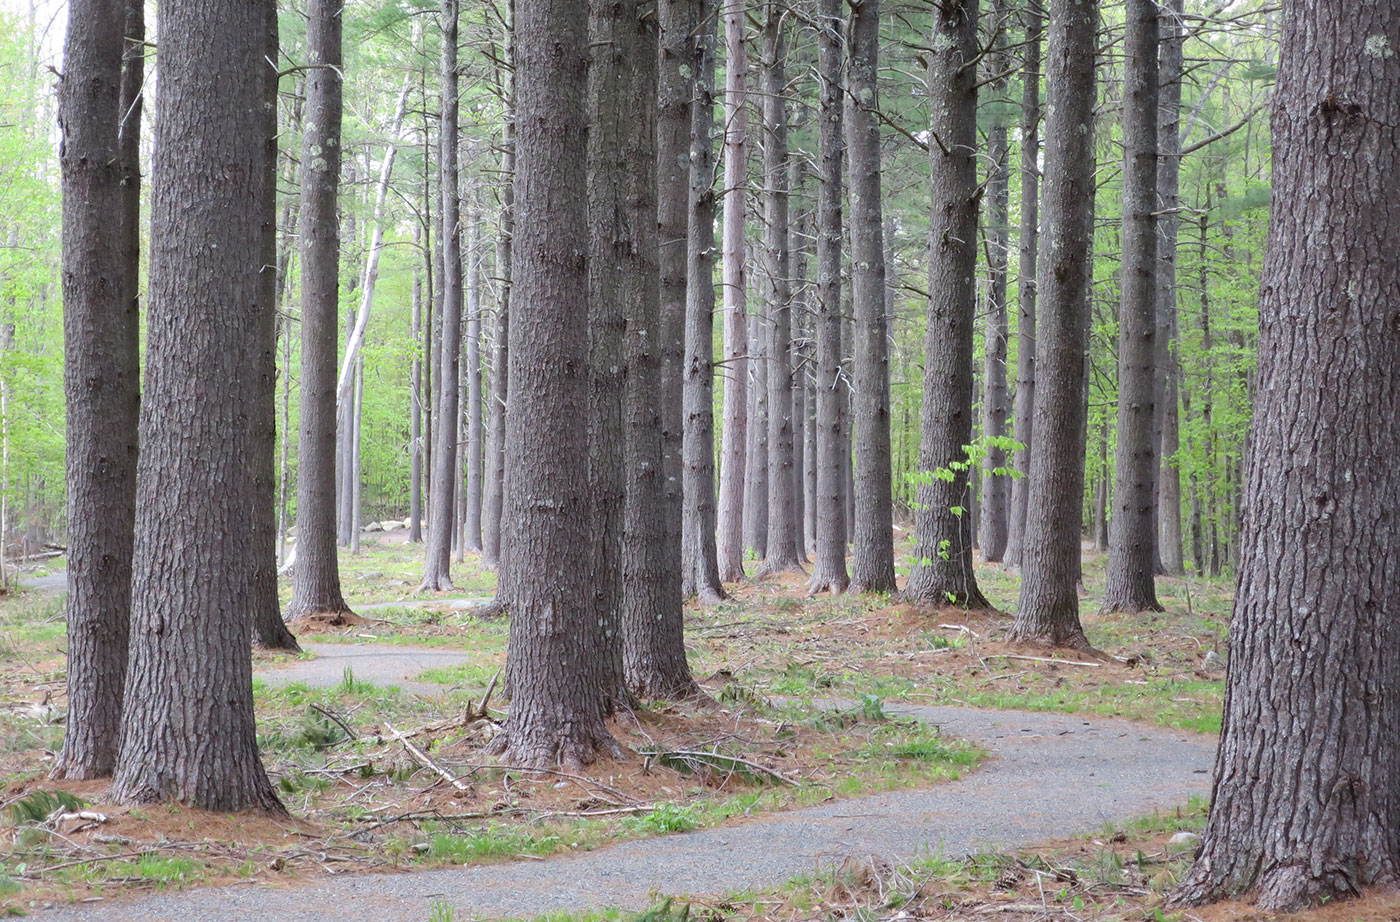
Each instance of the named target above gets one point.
<point>380,757</point>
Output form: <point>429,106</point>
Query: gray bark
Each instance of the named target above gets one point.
<point>1169,541</point>
<point>1306,806</point>
<point>1048,611</point>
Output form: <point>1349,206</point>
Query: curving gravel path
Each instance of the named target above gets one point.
<point>1051,775</point>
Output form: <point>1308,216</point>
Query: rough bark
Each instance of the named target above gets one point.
<point>872,526</point>
<point>995,506</point>
<point>652,614</point>
<point>1048,611</point>
<point>1169,542</point>
<point>729,536</point>
<point>756,487</point>
<point>1132,529</point>
<point>621,272</point>
<point>1306,805</point>
<point>1023,426</point>
<point>188,728</point>
<point>675,84</point>
<point>942,572</point>
<point>781,551</point>
<point>699,565</point>
<point>437,567</point>
<point>101,378</point>
<point>829,566</point>
<point>316,574</point>
<point>558,700</point>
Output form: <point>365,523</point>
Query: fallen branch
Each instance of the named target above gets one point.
<point>422,758</point>
<point>690,754</point>
<point>1043,659</point>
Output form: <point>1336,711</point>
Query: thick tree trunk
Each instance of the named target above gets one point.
<point>621,273</point>
<point>101,373</point>
<point>699,565</point>
<point>729,537</point>
<point>652,614</point>
<point>829,567</point>
<point>437,574</point>
<point>188,730</point>
<point>1132,537</point>
<point>942,571</point>
<point>995,506</point>
<point>780,552</point>
<point>675,85</point>
<point>553,667</point>
<point>1168,176</point>
<point>316,574</point>
<point>1023,408</point>
<point>1306,806</point>
<point>1048,611</point>
<point>872,518</point>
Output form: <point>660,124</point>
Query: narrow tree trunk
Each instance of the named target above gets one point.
<point>437,567</point>
<point>188,729</point>
<point>995,511</point>
<point>829,566</point>
<point>415,398</point>
<point>1306,808</point>
<point>780,553</point>
<point>799,252</point>
<point>942,571</point>
<point>872,498</point>
<point>558,700</point>
<point>1023,425</point>
<point>316,575</point>
<point>1168,176</point>
<point>355,482</point>
<point>492,503</point>
<point>1048,611</point>
<point>471,540</point>
<point>729,537</point>
<point>1132,538</point>
<point>756,497</point>
<point>291,215</point>
<point>700,562</point>
<point>652,615</point>
<point>101,372</point>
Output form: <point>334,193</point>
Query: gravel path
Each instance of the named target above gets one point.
<point>1051,775</point>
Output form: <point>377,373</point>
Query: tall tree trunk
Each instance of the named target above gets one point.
<point>780,554</point>
<point>729,537</point>
<point>188,729</point>
<point>291,215</point>
<point>472,538</point>
<point>799,251</point>
<point>101,373</point>
<point>354,481</point>
<point>1168,177</point>
<point>416,408</point>
<point>492,503</point>
<point>1132,530</point>
<point>942,571</point>
<point>675,85</point>
<point>829,566</point>
<point>621,271</point>
<point>995,511</point>
<point>700,564</point>
<point>1306,806</point>
<point>269,632</point>
<point>1022,410</point>
<point>558,700</point>
<point>756,495</point>
<point>1048,611</point>
<point>652,615</point>
<point>872,567</point>
<point>437,567</point>
<point>316,575</point>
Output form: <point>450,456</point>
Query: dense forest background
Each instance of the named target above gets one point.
<point>392,55</point>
